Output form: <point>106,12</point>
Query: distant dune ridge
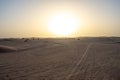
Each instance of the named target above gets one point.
<point>4,48</point>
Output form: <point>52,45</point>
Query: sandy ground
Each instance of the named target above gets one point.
<point>61,59</point>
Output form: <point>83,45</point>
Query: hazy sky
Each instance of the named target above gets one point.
<point>28,18</point>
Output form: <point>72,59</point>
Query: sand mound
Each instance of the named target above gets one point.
<point>7,49</point>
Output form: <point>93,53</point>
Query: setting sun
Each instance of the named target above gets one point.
<point>63,24</point>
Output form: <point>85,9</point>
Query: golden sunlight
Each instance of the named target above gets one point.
<point>63,24</point>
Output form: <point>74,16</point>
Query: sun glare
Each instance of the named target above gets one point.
<point>63,24</point>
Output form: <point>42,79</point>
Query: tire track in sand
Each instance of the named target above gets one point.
<point>78,63</point>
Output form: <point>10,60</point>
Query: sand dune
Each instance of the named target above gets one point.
<point>4,48</point>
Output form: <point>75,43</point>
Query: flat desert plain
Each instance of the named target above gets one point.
<point>96,58</point>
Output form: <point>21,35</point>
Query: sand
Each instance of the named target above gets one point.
<point>4,49</point>
<point>60,59</point>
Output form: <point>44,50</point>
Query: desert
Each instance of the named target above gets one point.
<point>84,58</point>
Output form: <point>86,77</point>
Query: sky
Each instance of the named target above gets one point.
<point>28,18</point>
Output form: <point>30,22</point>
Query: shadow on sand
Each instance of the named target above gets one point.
<point>5,49</point>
